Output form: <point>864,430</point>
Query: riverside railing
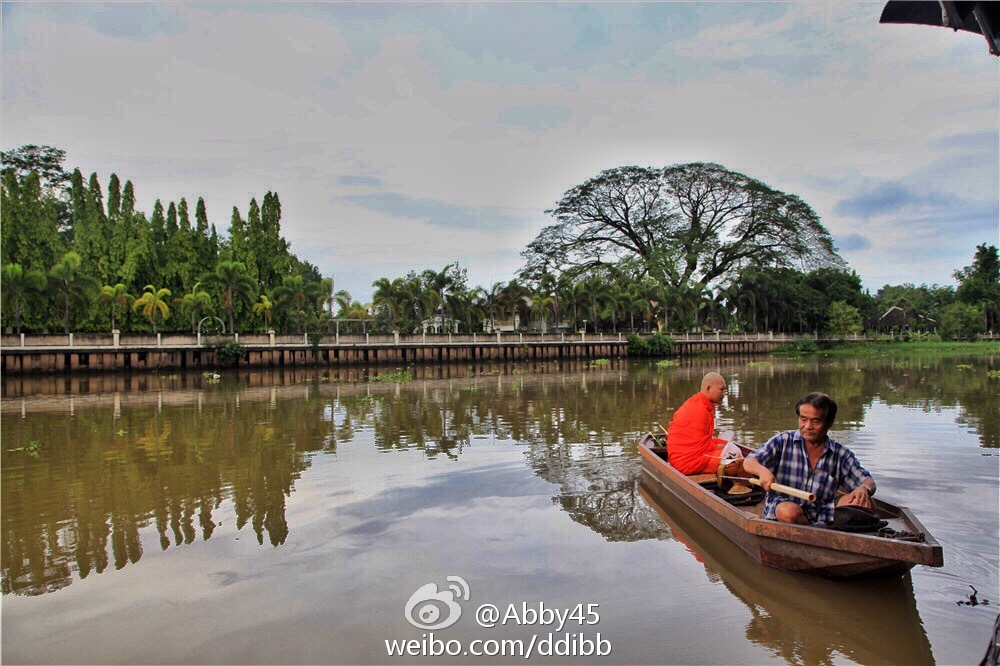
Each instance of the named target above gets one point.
<point>175,340</point>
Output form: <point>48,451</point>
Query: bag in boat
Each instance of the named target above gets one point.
<point>854,518</point>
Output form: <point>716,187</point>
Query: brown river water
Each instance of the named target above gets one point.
<point>315,516</point>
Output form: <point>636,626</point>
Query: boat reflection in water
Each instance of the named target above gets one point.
<point>804,620</point>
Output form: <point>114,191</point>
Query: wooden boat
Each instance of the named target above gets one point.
<point>814,621</point>
<point>806,549</point>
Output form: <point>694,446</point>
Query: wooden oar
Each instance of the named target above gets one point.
<point>776,487</point>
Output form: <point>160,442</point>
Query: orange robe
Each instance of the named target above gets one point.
<point>691,448</point>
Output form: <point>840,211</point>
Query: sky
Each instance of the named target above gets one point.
<point>409,136</point>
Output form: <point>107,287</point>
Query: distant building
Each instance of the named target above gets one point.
<point>439,324</point>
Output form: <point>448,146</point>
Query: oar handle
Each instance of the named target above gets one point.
<point>791,492</point>
<point>776,487</point>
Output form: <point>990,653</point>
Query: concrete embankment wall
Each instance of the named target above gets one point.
<point>94,353</point>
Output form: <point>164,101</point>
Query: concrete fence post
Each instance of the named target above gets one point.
<point>116,336</point>
<point>70,339</point>
<point>22,339</point>
<point>270,337</point>
<point>395,337</point>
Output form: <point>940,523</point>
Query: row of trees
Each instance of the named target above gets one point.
<point>70,259</point>
<point>692,246</point>
<point>785,300</point>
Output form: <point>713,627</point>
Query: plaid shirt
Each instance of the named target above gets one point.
<point>785,455</point>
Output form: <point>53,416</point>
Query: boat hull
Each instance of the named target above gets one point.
<point>805,549</point>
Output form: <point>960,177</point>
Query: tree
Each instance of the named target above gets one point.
<point>979,284</point>
<point>69,285</point>
<point>541,308</point>
<point>686,224</point>
<point>46,161</point>
<point>232,279</point>
<point>114,296</point>
<point>388,299</point>
<point>29,222</point>
<point>195,302</point>
<point>17,286</point>
<point>843,319</point>
<point>961,321</point>
<point>153,302</point>
<point>296,293</point>
<point>264,308</point>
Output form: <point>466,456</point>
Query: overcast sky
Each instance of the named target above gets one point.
<point>405,136</point>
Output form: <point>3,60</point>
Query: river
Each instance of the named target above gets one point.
<point>296,516</point>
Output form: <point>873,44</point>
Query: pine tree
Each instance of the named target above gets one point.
<point>255,242</point>
<point>114,198</point>
<point>128,199</point>
<point>272,253</point>
<point>206,241</point>
<point>10,205</point>
<point>33,236</point>
<point>238,247</point>
<point>172,252</point>
<point>122,235</point>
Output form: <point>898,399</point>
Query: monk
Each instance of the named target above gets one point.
<point>691,447</point>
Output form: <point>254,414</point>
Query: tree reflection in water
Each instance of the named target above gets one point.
<point>122,453</point>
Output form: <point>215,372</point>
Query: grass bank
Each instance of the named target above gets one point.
<point>863,349</point>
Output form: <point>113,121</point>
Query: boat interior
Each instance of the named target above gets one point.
<point>752,504</point>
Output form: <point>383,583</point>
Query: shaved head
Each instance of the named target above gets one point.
<point>712,378</point>
<point>714,387</point>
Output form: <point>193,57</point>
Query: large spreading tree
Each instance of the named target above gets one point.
<point>685,225</point>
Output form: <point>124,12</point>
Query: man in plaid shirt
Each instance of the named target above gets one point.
<point>806,458</point>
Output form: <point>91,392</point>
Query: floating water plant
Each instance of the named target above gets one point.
<point>398,376</point>
<point>31,448</point>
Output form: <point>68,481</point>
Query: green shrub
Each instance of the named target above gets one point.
<point>655,345</point>
<point>637,345</point>
<point>806,346</point>
<point>229,353</point>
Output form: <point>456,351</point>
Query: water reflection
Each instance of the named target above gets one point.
<point>803,621</point>
<point>122,453</point>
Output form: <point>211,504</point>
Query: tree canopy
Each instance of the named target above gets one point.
<point>686,224</point>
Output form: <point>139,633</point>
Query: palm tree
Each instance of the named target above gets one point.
<point>635,301</point>
<point>69,285</point>
<point>442,283</point>
<point>16,285</point>
<point>195,302</point>
<point>598,292</point>
<point>232,278</point>
<point>326,295</point>
<point>295,292</point>
<point>492,298</point>
<point>114,296</point>
<point>264,308</point>
<point>541,306</point>
<point>152,302</point>
<point>388,297</point>
<point>343,300</point>
<point>512,298</point>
